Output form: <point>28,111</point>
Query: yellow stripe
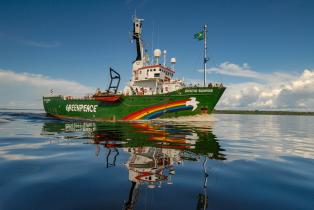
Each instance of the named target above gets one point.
<point>155,110</point>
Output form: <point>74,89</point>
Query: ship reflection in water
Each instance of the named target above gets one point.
<point>156,149</point>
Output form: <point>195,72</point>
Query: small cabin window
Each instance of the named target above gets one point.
<point>157,75</point>
<point>154,69</point>
<point>140,72</point>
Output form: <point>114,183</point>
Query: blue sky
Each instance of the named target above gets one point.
<point>79,40</point>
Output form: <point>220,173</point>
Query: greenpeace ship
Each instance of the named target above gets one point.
<point>151,93</point>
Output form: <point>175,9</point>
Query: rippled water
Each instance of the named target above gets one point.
<point>216,162</point>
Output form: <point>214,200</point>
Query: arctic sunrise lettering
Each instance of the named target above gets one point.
<point>198,91</point>
<point>81,108</point>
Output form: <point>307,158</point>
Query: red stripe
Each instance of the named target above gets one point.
<point>134,114</point>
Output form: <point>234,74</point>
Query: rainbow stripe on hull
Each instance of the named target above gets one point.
<point>158,110</point>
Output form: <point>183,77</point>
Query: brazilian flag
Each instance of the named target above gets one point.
<point>199,35</point>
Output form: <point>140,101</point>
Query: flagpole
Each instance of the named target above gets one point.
<point>205,53</point>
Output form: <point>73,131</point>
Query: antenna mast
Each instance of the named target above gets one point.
<point>205,53</point>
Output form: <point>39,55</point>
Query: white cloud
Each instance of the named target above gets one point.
<point>276,90</point>
<point>287,92</point>
<point>245,70</point>
<point>24,90</point>
<point>232,69</point>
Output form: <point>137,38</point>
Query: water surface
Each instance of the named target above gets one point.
<point>223,162</point>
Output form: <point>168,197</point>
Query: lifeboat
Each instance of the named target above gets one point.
<point>109,98</point>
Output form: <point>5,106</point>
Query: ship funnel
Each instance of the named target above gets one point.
<point>157,54</point>
<point>173,62</point>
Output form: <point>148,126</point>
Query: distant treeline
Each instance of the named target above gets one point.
<point>20,109</point>
<point>263,112</point>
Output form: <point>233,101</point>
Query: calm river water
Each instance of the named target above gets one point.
<point>223,162</point>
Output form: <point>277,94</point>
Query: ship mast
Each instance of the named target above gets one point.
<point>137,32</point>
<point>137,36</point>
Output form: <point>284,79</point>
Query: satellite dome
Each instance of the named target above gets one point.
<point>173,60</point>
<point>157,53</point>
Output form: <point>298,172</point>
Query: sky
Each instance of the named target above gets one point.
<point>261,50</point>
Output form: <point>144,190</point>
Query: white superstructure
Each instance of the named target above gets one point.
<point>149,78</point>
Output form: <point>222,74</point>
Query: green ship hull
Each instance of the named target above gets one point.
<point>183,102</point>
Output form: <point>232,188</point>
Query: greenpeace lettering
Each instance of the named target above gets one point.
<point>80,108</point>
